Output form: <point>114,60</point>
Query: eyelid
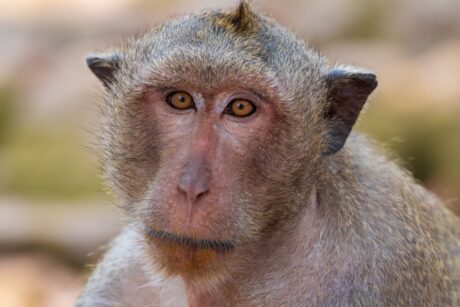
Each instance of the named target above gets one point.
<point>249,94</point>
<point>253,97</point>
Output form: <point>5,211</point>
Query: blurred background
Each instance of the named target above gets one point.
<point>54,213</point>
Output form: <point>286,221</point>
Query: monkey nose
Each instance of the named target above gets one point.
<point>194,184</point>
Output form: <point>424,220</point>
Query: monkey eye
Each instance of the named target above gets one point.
<point>240,108</point>
<point>180,100</point>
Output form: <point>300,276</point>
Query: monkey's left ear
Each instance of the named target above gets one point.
<point>104,67</point>
<point>347,91</point>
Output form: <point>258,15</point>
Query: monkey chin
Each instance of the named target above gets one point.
<point>188,257</point>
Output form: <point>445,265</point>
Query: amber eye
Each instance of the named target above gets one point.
<point>240,108</point>
<point>180,100</point>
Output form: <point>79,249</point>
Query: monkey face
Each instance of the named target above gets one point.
<point>205,165</point>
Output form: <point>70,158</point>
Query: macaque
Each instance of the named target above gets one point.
<point>228,143</point>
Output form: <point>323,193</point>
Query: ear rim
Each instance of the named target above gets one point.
<point>104,66</point>
<point>348,89</point>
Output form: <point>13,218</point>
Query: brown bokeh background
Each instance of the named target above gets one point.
<point>54,213</point>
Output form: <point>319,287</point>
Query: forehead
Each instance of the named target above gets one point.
<point>197,50</point>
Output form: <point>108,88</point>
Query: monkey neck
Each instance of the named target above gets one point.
<point>266,260</point>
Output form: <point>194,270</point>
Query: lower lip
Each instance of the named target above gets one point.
<point>190,242</point>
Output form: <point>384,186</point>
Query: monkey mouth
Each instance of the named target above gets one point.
<point>190,242</point>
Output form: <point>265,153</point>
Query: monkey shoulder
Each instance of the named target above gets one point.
<point>401,232</point>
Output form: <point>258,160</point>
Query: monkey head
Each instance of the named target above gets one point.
<point>215,127</point>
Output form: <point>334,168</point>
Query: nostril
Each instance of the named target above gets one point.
<point>199,195</point>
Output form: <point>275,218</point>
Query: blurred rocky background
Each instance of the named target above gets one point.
<point>54,213</point>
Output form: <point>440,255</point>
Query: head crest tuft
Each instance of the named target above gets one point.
<point>240,20</point>
<point>243,15</point>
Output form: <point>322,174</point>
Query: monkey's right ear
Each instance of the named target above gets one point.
<point>347,91</point>
<point>104,67</point>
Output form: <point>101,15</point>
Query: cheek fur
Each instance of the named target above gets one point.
<point>131,153</point>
